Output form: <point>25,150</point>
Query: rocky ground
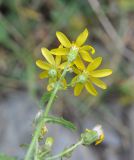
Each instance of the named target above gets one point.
<point>17,111</point>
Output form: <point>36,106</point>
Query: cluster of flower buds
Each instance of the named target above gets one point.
<point>77,58</point>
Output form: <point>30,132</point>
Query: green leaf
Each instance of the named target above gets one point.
<point>5,157</point>
<point>61,121</point>
<point>45,98</point>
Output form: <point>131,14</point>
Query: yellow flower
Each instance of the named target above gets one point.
<point>89,75</point>
<point>52,68</point>
<point>75,50</point>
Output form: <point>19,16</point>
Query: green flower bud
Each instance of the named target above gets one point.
<point>88,137</point>
<point>49,142</point>
<point>96,135</point>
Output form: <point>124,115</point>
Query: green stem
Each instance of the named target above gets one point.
<point>43,154</point>
<point>45,114</point>
<point>54,92</point>
<point>36,151</point>
<point>66,151</point>
<point>34,138</point>
<point>85,140</point>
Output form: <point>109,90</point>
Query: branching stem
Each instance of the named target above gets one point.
<point>45,114</point>
<point>66,151</point>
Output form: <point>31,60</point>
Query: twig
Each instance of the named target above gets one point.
<point>110,30</point>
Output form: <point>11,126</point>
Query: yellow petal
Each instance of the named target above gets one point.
<point>58,60</point>
<point>101,73</point>
<point>78,62</point>
<point>101,139</point>
<point>60,46</point>
<point>64,58</point>
<point>51,83</point>
<point>98,82</point>
<point>78,88</point>
<point>86,56</point>
<point>85,47</point>
<point>82,38</point>
<point>43,65</point>
<point>90,88</point>
<point>88,48</point>
<point>75,70</point>
<point>43,74</point>
<point>74,80</point>
<point>47,54</point>
<point>52,80</point>
<point>63,65</point>
<point>95,64</point>
<point>63,39</point>
<point>64,83</point>
<point>60,51</point>
<point>50,86</point>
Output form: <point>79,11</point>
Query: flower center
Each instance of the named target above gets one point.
<point>75,48</point>
<point>82,78</point>
<point>73,53</point>
<point>52,72</point>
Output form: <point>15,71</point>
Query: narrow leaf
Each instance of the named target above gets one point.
<point>61,121</point>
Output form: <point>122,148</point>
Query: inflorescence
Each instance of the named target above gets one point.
<point>77,58</point>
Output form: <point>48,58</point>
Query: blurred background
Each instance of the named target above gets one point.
<point>28,25</point>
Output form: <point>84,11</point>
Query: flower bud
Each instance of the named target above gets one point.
<point>96,135</point>
<point>89,137</point>
<point>100,132</point>
<point>49,142</point>
<point>43,132</point>
<point>50,86</point>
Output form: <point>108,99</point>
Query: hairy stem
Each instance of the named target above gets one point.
<point>45,114</point>
<point>66,151</point>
